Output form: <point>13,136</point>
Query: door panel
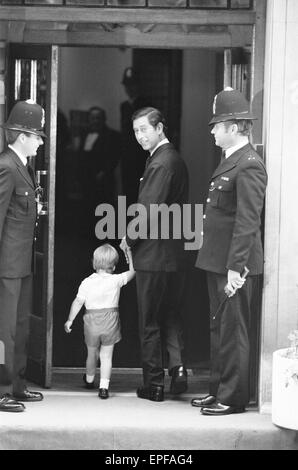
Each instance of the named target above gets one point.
<point>33,75</point>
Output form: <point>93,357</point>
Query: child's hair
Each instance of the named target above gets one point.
<point>105,257</point>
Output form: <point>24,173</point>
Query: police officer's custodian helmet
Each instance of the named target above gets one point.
<point>230,105</point>
<point>26,116</point>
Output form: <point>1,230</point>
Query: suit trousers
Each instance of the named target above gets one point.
<point>15,309</point>
<point>160,296</point>
<point>229,340</point>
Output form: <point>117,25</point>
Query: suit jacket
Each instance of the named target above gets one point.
<point>103,157</point>
<point>232,235</point>
<point>104,154</point>
<point>17,217</point>
<point>165,181</point>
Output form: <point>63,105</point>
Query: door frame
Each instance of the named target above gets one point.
<point>53,104</point>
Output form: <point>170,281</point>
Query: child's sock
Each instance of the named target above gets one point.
<point>104,383</point>
<point>89,378</point>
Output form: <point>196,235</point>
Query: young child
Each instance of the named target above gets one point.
<point>99,293</point>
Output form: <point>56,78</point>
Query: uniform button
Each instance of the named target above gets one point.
<point>35,239</point>
<point>26,194</point>
<point>219,187</point>
<point>212,184</point>
<point>36,224</point>
<point>202,233</point>
<point>208,200</point>
<point>204,216</point>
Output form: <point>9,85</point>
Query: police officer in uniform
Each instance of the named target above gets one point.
<point>18,210</point>
<point>231,245</point>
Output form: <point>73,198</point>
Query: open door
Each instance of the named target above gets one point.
<point>33,75</point>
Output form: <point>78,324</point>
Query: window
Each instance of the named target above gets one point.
<point>164,4</point>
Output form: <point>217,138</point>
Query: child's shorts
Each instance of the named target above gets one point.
<point>102,326</point>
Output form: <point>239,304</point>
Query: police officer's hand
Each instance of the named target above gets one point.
<point>235,281</point>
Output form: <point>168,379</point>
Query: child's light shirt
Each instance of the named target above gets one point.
<point>101,290</point>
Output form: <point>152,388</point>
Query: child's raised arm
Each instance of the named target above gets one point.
<point>74,310</point>
<point>131,273</point>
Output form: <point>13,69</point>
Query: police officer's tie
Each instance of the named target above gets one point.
<point>30,171</point>
<point>223,156</point>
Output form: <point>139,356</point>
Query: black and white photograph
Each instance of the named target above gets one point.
<point>148,145</point>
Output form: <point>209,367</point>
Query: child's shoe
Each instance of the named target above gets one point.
<point>103,393</point>
<point>88,385</point>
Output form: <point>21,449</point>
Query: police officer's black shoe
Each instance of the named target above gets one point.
<point>219,409</point>
<point>27,395</point>
<point>7,403</point>
<point>203,401</point>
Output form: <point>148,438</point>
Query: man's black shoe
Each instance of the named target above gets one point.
<point>153,393</point>
<point>203,401</point>
<point>218,409</point>
<point>179,380</point>
<point>26,395</point>
<point>89,385</point>
<point>7,403</point>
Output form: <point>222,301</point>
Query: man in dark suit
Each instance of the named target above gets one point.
<point>159,260</point>
<point>133,156</point>
<point>24,134</point>
<point>232,244</point>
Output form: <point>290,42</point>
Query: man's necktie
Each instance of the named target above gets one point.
<point>223,156</point>
<point>148,159</point>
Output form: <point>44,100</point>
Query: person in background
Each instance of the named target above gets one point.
<point>99,154</point>
<point>99,293</point>
<point>133,156</point>
<point>232,248</point>
<point>18,213</point>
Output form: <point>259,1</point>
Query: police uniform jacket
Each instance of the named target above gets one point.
<point>232,236</point>
<point>165,181</point>
<point>17,216</point>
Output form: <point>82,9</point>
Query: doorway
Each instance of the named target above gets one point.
<point>182,83</point>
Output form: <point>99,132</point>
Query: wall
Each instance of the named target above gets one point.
<point>280,300</point>
<point>2,91</point>
<point>92,76</point>
<point>197,144</point>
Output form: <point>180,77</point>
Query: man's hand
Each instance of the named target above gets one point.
<point>235,281</point>
<point>67,326</point>
<point>124,247</point>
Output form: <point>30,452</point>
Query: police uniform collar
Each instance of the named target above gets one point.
<point>21,157</point>
<point>230,162</point>
<point>231,150</point>
<point>21,167</point>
